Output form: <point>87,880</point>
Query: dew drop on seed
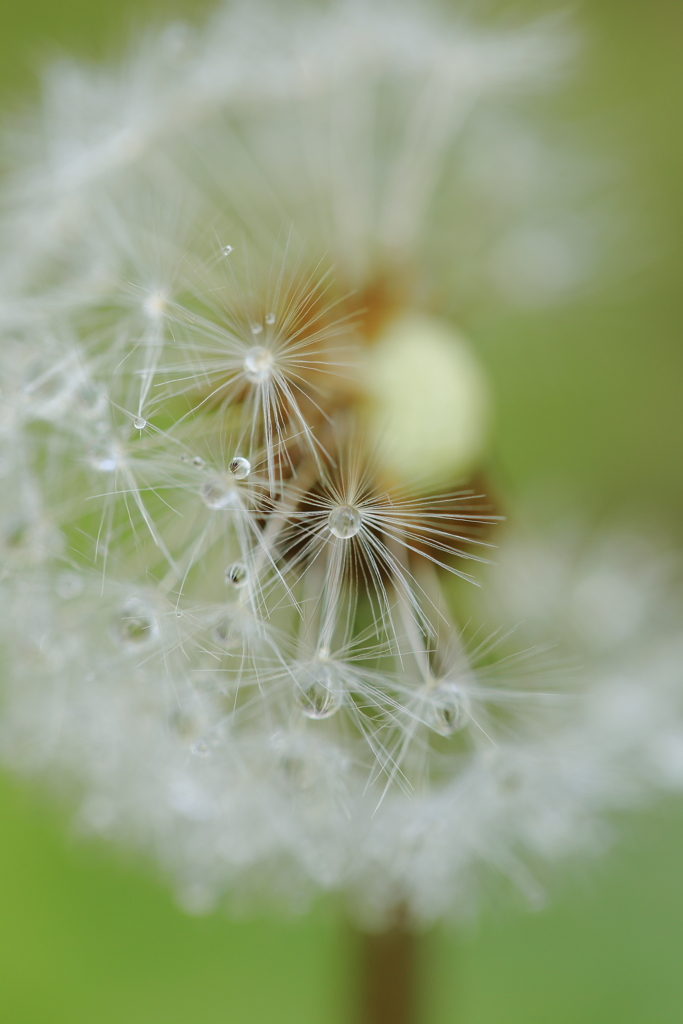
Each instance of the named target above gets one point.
<point>217,493</point>
<point>104,457</point>
<point>136,624</point>
<point>317,692</point>
<point>155,305</point>
<point>344,521</point>
<point>270,318</point>
<point>185,722</point>
<point>240,467</point>
<point>226,250</point>
<point>68,585</point>
<point>236,575</point>
<point>224,633</point>
<point>139,423</point>
<point>256,328</point>
<point>197,461</point>
<point>258,364</point>
<point>92,401</point>
<point>17,534</point>
<point>201,748</point>
<point>447,710</point>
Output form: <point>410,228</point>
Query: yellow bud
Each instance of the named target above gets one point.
<point>429,402</point>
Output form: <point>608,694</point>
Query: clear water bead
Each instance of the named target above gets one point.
<point>104,456</point>
<point>447,710</point>
<point>318,694</point>
<point>236,575</point>
<point>256,328</point>
<point>240,467</point>
<point>136,624</point>
<point>155,305</point>
<point>68,585</point>
<point>201,748</point>
<point>258,364</point>
<point>226,250</point>
<point>344,521</point>
<point>217,493</point>
<point>270,319</point>
<point>139,423</point>
<point>225,633</point>
<point>92,401</point>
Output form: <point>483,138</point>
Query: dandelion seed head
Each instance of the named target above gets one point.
<point>236,551</point>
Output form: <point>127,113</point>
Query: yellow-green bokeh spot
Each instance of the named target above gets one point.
<point>429,406</point>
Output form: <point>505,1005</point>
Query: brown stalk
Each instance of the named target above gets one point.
<point>388,974</point>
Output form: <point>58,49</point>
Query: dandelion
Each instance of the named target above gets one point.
<point>236,419</point>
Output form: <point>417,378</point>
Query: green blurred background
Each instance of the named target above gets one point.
<point>589,395</point>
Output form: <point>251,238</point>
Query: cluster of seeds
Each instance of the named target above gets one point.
<point>234,601</point>
<point>221,486</point>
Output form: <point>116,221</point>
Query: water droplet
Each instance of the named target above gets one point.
<point>270,318</point>
<point>92,401</point>
<point>240,467</point>
<point>139,423</point>
<point>186,722</point>
<point>258,364</point>
<point>318,693</point>
<point>447,710</point>
<point>202,748</point>
<point>16,533</point>
<point>236,575</point>
<point>226,250</point>
<point>197,461</point>
<point>155,305</point>
<point>344,521</point>
<point>175,40</point>
<point>224,633</point>
<point>104,456</point>
<point>256,328</point>
<point>136,624</point>
<point>217,493</point>
<point>68,585</point>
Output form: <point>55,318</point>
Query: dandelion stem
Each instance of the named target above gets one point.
<point>388,968</point>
